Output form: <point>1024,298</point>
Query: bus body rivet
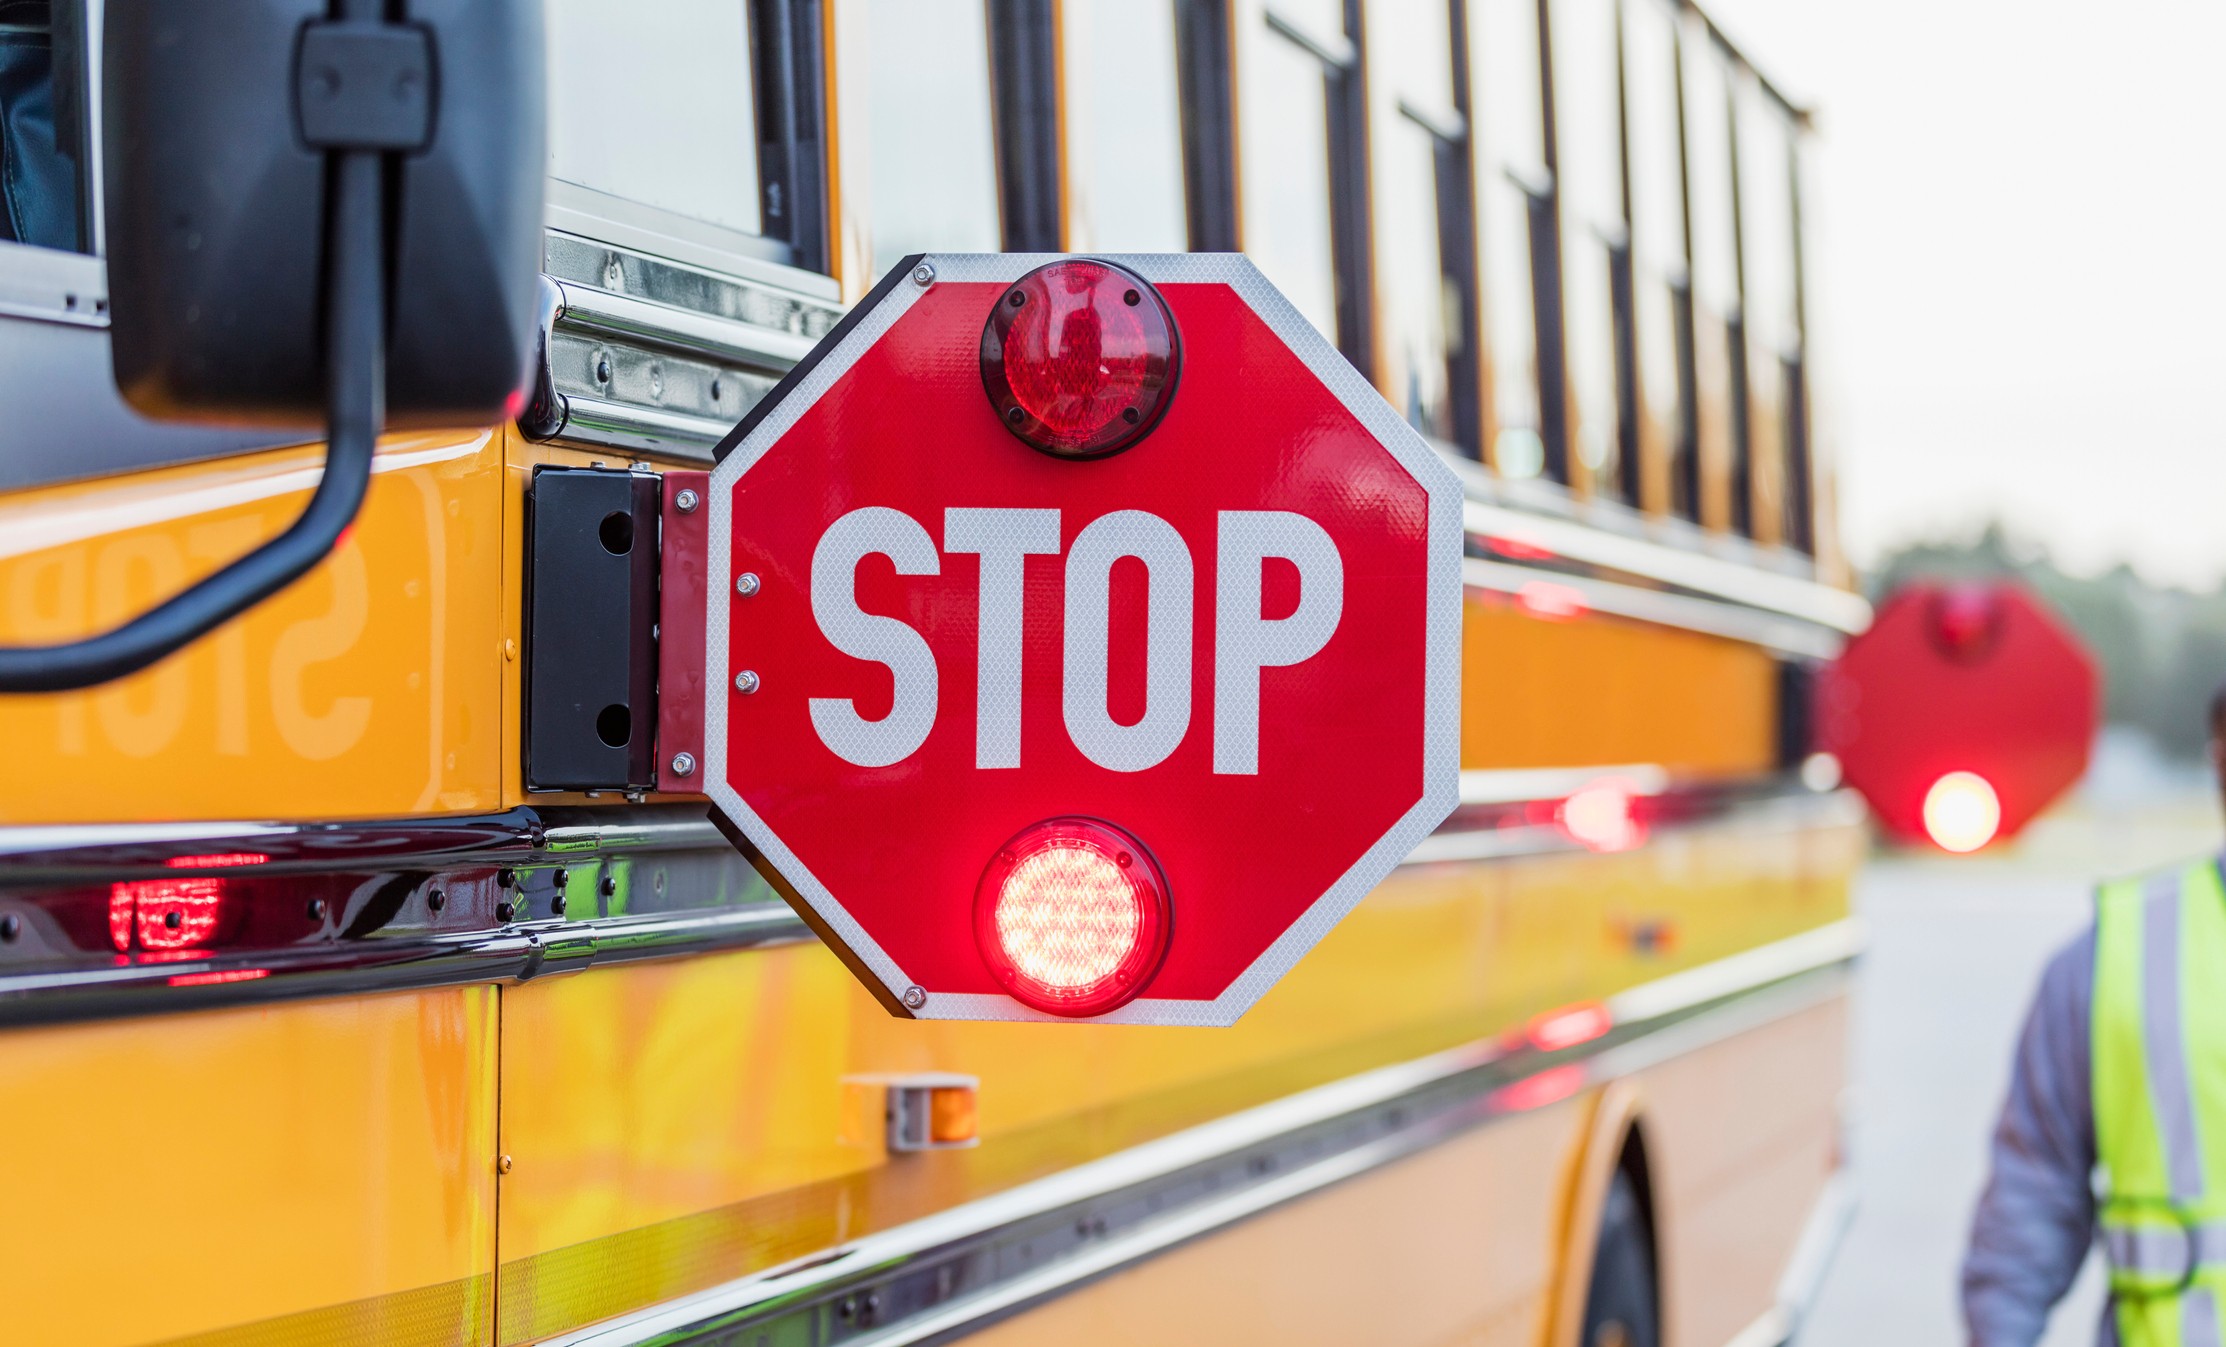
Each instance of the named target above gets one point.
<point>686,501</point>
<point>923,275</point>
<point>316,909</point>
<point>502,1165</point>
<point>746,583</point>
<point>683,764</point>
<point>915,997</point>
<point>11,926</point>
<point>745,682</point>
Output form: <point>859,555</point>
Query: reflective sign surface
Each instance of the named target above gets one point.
<point>1236,641</point>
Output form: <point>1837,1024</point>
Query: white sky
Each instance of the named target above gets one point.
<point>2019,232</point>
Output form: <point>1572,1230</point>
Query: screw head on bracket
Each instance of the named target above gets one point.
<point>683,764</point>
<point>746,682</point>
<point>687,501</point>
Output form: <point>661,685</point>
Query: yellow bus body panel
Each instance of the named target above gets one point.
<point>370,687</point>
<point>324,1165</point>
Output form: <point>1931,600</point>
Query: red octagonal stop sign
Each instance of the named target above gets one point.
<point>1970,684</point>
<point>1220,666</point>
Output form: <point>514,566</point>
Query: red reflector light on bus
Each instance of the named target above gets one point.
<point>1962,812</point>
<point>1569,1026</point>
<point>1080,358</point>
<point>165,914</point>
<point>1599,816</point>
<point>1072,917</point>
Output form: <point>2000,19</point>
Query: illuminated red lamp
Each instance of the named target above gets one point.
<point>1080,358</point>
<point>1552,601</point>
<point>1569,1026</point>
<point>1601,815</point>
<point>1072,917</point>
<point>174,913</point>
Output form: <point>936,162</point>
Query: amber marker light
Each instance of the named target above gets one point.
<point>1072,917</point>
<point>1080,358</point>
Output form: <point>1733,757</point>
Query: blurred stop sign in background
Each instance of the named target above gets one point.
<point>1963,712</point>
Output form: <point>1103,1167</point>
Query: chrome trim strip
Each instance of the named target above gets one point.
<point>970,1265</point>
<point>1790,596</point>
<point>1521,785</point>
<point>53,286</point>
<point>687,331</point>
<point>519,952</point>
<point>44,858</point>
<point>1714,617</point>
<point>621,425</point>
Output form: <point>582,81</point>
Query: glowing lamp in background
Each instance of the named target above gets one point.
<point>1599,815</point>
<point>1080,358</point>
<point>1962,812</point>
<point>1961,714</point>
<point>1072,917</point>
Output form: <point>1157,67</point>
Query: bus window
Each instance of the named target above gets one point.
<point>1721,418</point>
<point>1588,181</point>
<point>1511,184</point>
<point>42,185</point>
<point>1124,134</point>
<point>1295,110</point>
<point>1767,303</point>
<point>654,104</point>
<point>929,152</point>
<point>1425,266</point>
<point>1661,302</point>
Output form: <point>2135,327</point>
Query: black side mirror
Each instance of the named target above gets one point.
<point>315,211</point>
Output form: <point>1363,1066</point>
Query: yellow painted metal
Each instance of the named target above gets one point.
<point>1539,693</point>
<point>312,1173</point>
<point>676,1125</point>
<point>368,688</point>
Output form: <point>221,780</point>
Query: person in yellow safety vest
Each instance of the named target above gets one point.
<point>2115,1123</point>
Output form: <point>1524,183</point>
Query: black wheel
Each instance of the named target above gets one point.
<point>1619,1308</point>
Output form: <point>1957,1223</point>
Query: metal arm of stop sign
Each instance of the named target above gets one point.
<point>1245,640</point>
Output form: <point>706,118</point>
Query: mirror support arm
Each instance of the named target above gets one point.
<point>355,336</point>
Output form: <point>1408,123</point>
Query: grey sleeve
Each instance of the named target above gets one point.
<point>2036,1217</point>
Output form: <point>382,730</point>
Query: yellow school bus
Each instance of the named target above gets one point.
<point>320,1022</point>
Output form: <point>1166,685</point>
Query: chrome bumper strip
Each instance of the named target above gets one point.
<point>971,1265</point>
<point>500,871</point>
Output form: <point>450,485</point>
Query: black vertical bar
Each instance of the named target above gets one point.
<point>1347,101</point>
<point>1735,333</point>
<point>1545,270</point>
<point>1623,290</point>
<point>1800,486</point>
<point>1202,62</point>
<point>1553,357</point>
<point>791,114</point>
<point>1623,299</point>
<point>1457,260</point>
<point>1023,72</point>
<point>1685,481</point>
<point>1800,454</point>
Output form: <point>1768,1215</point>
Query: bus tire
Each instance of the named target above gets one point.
<point>1620,1307</point>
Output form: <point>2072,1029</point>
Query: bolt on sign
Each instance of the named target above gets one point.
<point>1084,638</point>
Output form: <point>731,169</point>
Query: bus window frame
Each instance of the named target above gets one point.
<point>1345,137</point>
<point>63,416</point>
<point>791,74</point>
<point>1452,185</point>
